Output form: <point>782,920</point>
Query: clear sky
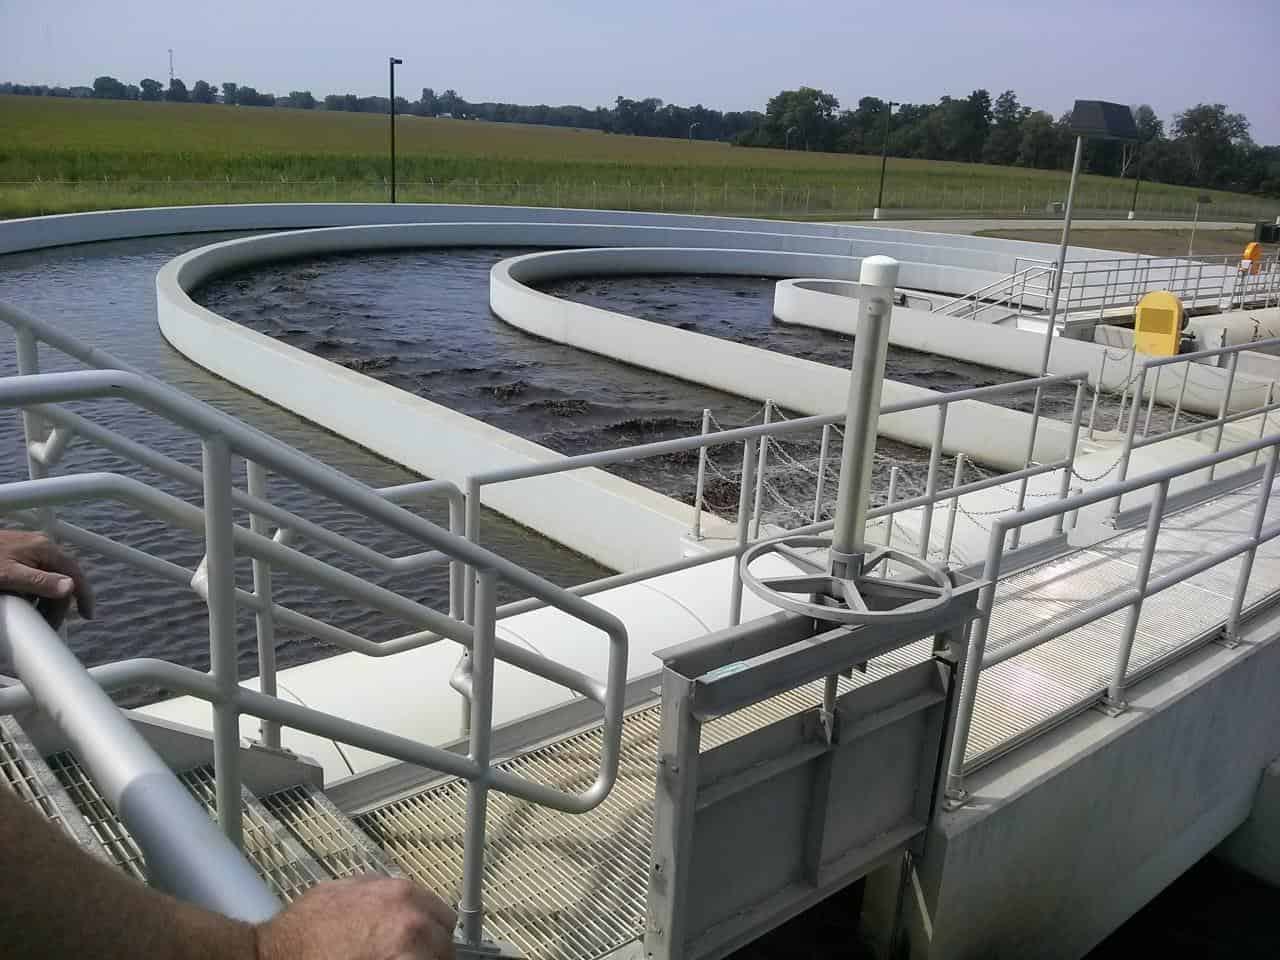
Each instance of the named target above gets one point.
<point>728,54</point>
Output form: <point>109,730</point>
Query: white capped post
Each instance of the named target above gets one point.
<point>877,280</point>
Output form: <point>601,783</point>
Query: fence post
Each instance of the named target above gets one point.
<point>764,458</point>
<point>1114,700</point>
<point>931,481</point>
<point>822,471</point>
<point>1231,632</point>
<point>471,901</point>
<point>264,616</point>
<point>702,475</point>
<point>220,568</point>
<point>1127,450</point>
<point>746,482</point>
<point>951,511</point>
<point>894,472</point>
<point>1225,408</point>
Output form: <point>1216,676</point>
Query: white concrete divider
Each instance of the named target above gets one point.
<point>822,304</point>
<point>988,433</point>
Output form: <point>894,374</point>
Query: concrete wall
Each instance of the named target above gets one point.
<point>1060,845</point>
<point>816,303</point>
<point>1255,846</point>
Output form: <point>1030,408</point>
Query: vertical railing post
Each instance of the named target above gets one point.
<point>760,468</point>
<point>471,901</point>
<point>931,480</point>
<point>744,523</point>
<point>951,511</point>
<point>1224,408</point>
<point>1097,390</point>
<point>894,473</point>
<point>1127,450</point>
<point>1151,403</point>
<point>1266,416</point>
<point>1182,392</point>
<point>1231,632</point>
<point>702,478</point>
<point>1124,389</point>
<point>219,545</point>
<point>264,617</point>
<point>33,427</point>
<point>823,450</point>
<point>471,528</point>
<point>978,631</point>
<point>1114,700</point>
<point>1069,461</point>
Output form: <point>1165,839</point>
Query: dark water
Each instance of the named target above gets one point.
<point>104,294</point>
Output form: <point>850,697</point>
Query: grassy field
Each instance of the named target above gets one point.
<point>1157,243</point>
<point>60,154</point>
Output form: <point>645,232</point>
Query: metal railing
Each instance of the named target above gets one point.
<point>1009,292</point>
<point>1093,287</point>
<point>1189,363</point>
<point>979,658</point>
<point>752,480</point>
<point>172,830</point>
<point>37,396</point>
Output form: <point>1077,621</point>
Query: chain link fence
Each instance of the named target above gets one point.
<point>919,199</point>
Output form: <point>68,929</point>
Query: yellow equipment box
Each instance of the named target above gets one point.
<point>1157,324</point>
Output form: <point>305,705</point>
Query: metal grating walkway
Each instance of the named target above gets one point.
<point>559,885</point>
<point>106,826</point>
<point>327,834</point>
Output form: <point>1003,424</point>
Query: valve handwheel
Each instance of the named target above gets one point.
<point>845,599</point>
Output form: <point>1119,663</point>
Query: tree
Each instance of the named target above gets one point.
<point>109,88</point>
<point>1209,133</point>
<point>1150,129</point>
<point>151,89</point>
<point>203,92</point>
<point>427,106</point>
<point>177,92</point>
<point>1005,136</point>
<point>1039,144</point>
<point>230,94</point>
<point>810,111</point>
<point>301,100</point>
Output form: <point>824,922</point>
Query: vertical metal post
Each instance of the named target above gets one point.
<point>702,477</point>
<point>823,449</point>
<point>931,480</point>
<point>264,617</point>
<point>877,280</point>
<point>471,527</point>
<point>1266,415</point>
<point>1073,441</point>
<point>1115,690</point>
<point>1127,450</point>
<point>760,468</point>
<point>973,662</point>
<point>471,901</point>
<point>744,522</point>
<point>391,66</point>
<point>1232,629</point>
<point>1182,392</point>
<point>1124,390</point>
<point>220,567</point>
<point>951,510</point>
<point>1151,403</point>
<point>1093,407</point>
<point>1060,264</point>
<point>1224,408</point>
<point>884,159</point>
<point>894,473</point>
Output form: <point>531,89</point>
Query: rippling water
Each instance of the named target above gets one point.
<point>104,294</point>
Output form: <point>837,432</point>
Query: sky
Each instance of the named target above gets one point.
<point>728,55</point>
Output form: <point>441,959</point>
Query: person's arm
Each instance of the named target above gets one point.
<point>32,565</point>
<point>57,901</point>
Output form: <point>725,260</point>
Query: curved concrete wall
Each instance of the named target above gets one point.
<point>824,304</point>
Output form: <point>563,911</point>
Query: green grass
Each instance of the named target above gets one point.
<point>60,155</point>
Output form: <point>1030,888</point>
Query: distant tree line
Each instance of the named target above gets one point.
<point>1206,146</point>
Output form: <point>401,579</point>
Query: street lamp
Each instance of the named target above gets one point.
<point>790,131</point>
<point>884,157</point>
<point>696,123</point>
<point>391,64</point>
<point>1203,198</point>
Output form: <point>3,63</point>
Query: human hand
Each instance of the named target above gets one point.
<point>33,565</point>
<point>361,918</point>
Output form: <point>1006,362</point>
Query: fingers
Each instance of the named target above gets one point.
<point>21,578</point>
<point>48,555</point>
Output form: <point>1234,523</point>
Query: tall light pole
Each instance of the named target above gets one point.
<point>1191,247</point>
<point>884,158</point>
<point>1137,180</point>
<point>696,123</point>
<point>790,131</point>
<point>392,62</point>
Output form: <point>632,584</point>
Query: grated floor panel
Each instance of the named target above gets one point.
<point>106,826</point>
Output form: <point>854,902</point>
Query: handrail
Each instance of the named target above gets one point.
<point>171,829</point>
<point>978,657</point>
<point>1009,281</point>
